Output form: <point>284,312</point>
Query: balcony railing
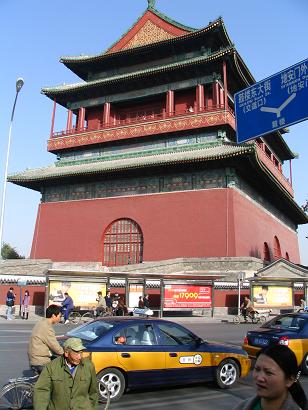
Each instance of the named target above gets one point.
<point>277,173</point>
<point>133,119</point>
<point>158,124</point>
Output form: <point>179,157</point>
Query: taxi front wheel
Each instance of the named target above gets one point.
<point>227,373</point>
<point>114,380</point>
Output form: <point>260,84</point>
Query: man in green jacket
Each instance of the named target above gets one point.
<point>68,382</point>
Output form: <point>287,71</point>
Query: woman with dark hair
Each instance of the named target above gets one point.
<point>276,377</point>
<point>25,305</point>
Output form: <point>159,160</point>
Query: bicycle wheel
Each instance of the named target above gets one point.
<point>255,319</point>
<point>87,317</point>
<point>237,320</point>
<point>16,396</point>
<point>104,396</point>
<point>106,314</point>
<point>74,317</point>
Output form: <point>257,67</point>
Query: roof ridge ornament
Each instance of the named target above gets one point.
<point>151,4</point>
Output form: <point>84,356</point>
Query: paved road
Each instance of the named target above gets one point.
<point>13,344</point>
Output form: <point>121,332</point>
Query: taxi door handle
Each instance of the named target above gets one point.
<point>173,354</point>
<point>125,354</point>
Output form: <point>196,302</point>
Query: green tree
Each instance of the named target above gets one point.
<point>8,252</point>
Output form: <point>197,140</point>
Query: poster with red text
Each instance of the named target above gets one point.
<point>187,296</point>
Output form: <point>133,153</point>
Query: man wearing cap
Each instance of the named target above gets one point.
<point>68,382</point>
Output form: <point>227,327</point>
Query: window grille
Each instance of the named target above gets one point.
<point>123,243</point>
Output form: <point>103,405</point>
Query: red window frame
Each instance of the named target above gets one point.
<point>122,243</point>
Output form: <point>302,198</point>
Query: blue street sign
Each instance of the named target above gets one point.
<point>274,103</point>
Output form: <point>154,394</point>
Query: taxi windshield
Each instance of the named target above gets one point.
<point>92,330</point>
<point>292,323</point>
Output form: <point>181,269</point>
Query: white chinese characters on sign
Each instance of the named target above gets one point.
<point>254,97</point>
<point>295,79</point>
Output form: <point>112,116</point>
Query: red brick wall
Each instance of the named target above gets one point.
<point>37,294</point>
<point>253,227</point>
<point>228,297</point>
<point>181,224</point>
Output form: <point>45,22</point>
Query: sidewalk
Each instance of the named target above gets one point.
<point>181,319</point>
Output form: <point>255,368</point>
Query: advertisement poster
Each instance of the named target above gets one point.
<point>270,296</point>
<point>134,292</point>
<point>187,296</point>
<point>82,293</point>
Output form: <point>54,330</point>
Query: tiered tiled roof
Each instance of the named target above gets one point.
<point>205,153</point>
<point>36,178</point>
<point>81,86</point>
<point>141,41</point>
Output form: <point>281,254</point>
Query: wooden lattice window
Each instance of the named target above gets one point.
<point>277,249</point>
<point>122,243</point>
<point>266,252</point>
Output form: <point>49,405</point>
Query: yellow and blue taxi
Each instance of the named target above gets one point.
<point>290,329</point>
<point>133,352</point>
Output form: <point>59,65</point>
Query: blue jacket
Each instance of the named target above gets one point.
<point>68,303</point>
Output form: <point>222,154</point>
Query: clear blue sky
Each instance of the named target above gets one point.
<point>270,35</point>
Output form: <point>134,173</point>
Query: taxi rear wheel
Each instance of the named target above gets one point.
<point>305,365</point>
<point>227,373</point>
<point>114,380</point>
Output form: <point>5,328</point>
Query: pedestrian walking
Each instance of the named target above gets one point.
<point>140,303</point>
<point>68,382</point>
<point>121,308</point>
<point>25,305</point>
<point>146,302</point>
<point>108,300</point>
<point>101,304</point>
<point>10,302</point>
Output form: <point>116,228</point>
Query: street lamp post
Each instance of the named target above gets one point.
<point>19,84</point>
<point>240,278</point>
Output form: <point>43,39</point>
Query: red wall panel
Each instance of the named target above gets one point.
<point>181,224</point>
<point>254,226</point>
<point>37,293</point>
<point>228,297</point>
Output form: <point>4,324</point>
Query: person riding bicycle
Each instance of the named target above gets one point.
<point>101,304</point>
<point>43,340</point>
<point>247,308</point>
<point>67,307</point>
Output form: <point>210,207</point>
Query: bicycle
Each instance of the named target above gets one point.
<point>254,315</point>
<point>74,317</point>
<point>17,394</point>
<point>93,314</point>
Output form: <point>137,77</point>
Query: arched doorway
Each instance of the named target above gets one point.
<point>122,243</point>
<point>266,252</point>
<point>277,249</point>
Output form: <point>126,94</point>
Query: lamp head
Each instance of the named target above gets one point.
<point>19,84</point>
